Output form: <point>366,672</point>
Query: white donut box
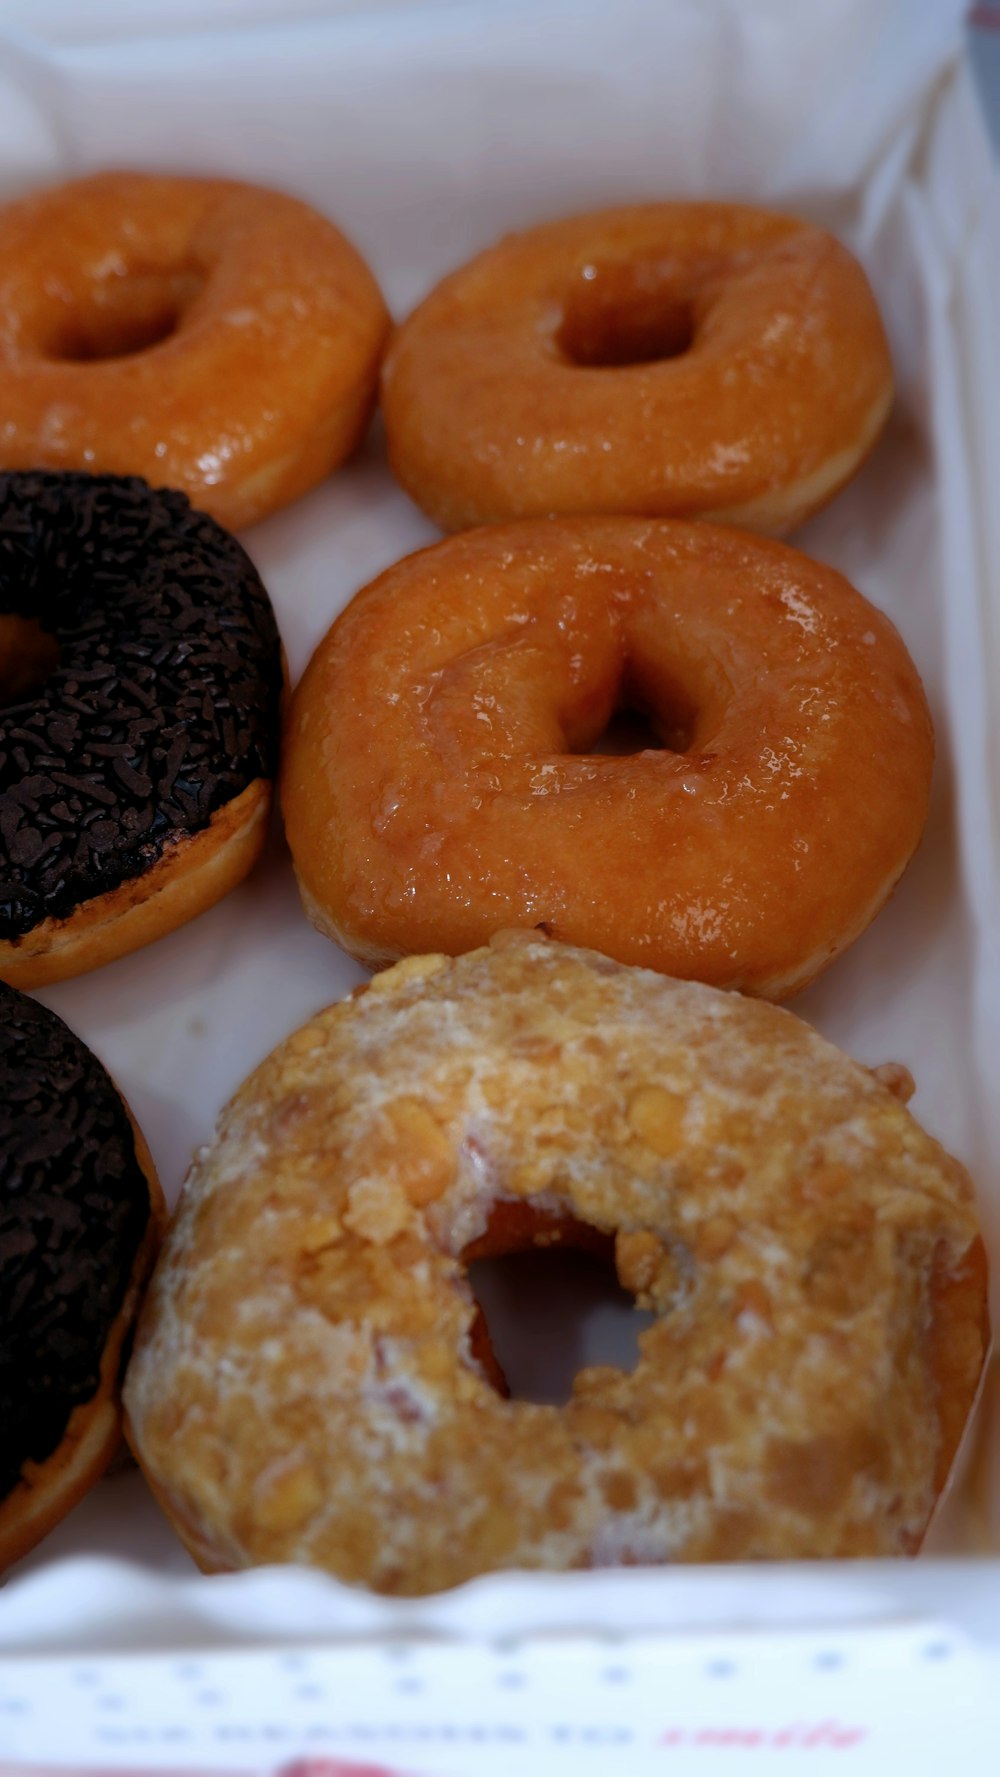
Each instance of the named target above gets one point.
<point>426,131</point>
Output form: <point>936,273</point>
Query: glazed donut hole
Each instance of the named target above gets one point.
<point>616,315</point>
<point>651,698</point>
<point>626,683</point>
<point>134,310</point>
<point>631,729</point>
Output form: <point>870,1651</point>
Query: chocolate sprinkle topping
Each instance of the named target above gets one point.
<point>164,703</point>
<point>74,1203</point>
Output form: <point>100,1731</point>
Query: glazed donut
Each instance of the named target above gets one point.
<point>141,672</point>
<point>206,335</point>
<point>674,360</point>
<point>80,1217</point>
<point>810,1255</point>
<point>440,778</point>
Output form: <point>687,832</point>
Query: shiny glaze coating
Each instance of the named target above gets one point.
<point>439,780</point>
<point>207,335</point>
<point>308,1384</point>
<point>680,360</point>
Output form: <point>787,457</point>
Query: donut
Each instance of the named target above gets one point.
<point>671,360</point>
<point>981,1486</point>
<point>442,778</point>
<point>141,672</point>
<point>80,1218</point>
<point>203,334</point>
<point>305,1384</point>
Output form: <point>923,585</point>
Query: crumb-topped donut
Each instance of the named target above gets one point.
<point>204,334</point>
<point>440,778</point>
<point>308,1383</point>
<point>80,1209</point>
<point>680,360</point>
<point>140,679</point>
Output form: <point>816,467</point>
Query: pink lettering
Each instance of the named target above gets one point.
<point>848,1736</point>
<point>786,1736</point>
<point>817,1735</point>
<point>803,1735</point>
<point>729,1737</point>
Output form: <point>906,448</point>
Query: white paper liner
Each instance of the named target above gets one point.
<point>426,131</point>
<point>113,1606</point>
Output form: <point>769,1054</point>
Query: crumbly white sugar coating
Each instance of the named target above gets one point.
<point>304,1388</point>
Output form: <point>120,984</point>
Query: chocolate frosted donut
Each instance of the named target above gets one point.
<point>135,779</point>
<point>79,1204</point>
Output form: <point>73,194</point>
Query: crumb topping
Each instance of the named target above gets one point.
<point>305,1385</point>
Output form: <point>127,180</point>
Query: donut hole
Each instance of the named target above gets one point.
<point>625,314</point>
<point>29,655</point>
<point>637,715</point>
<point>633,730</point>
<point>550,1305</point>
<point>123,316</point>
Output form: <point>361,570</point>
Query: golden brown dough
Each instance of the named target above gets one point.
<point>677,360</point>
<point>188,878</point>
<point>440,778</point>
<point>207,335</point>
<point>310,1382</point>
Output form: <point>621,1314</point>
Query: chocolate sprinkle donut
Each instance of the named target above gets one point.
<point>74,1204</point>
<point>163,706</point>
